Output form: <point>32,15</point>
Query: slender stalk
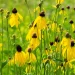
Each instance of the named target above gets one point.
<point>8,44</point>
<point>28,10</point>
<point>41,48</point>
<point>2,39</point>
<point>44,69</point>
<point>14,41</point>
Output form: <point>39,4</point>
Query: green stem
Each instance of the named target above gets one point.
<point>8,44</point>
<point>2,38</point>
<point>14,41</point>
<point>28,10</point>
<point>44,69</point>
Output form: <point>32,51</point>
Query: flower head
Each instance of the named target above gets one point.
<point>19,58</point>
<point>14,18</point>
<point>59,1</point>
<point>40,21</point>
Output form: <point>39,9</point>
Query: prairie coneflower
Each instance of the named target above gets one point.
<point>65,42</point>
<point>38,8</point>
<point>53,26</point>
<point>57,43</point>
<point>30,68</point>
<point>59,1</point>
<point>33,30</point>
<point>41,21</point>
<point>34,42</point>
<point>71,51</point>
<point>19,58</point>
<point>14,18</point>
<point>0,44</point>
<point>30,57</point>
<point>47,51</point>
<point>62,11</point>
<point>49,60</point>
<point>72,25</point>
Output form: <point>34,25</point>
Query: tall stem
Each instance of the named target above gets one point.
<point>2,38</point>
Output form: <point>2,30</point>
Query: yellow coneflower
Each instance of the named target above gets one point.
<point>54,27</point>
<point>14,18</point>
<point>0,44</point>
<point>71,51</point>
<point>49,61</point>
<point>47,51</point>
<point>33,30</point>
<point>40,21</point>
<point>59,1</point>
<point>30,57</point>
<point>62,12</point>
<point>38,8</point>
<point>34,41</point>
<point>72,25</point>
<point>29,68</point>
<point>19,58</point>
<point>65,42</point>
<point>57,44</point>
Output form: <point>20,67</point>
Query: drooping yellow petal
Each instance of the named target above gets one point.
<point>33,30</point>
<point>37,9</point>
<point>34,42</point>
<point>21,18</point>
<point>19,59</point>
<point>59,1</point>
<point>0,44</point>
<point>13,21</point>
<point>41,22</point>
<point>30,57</point>
<point>73,27</point>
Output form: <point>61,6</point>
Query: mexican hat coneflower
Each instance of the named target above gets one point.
<point>33,30</point>
<point>15,18</point>
<point>65,43</point>
<point>72,25</point>
<point>71,51</point>
<point>59,1</point>
<point>34,42</point>
<point>30,57</point>
<point>19,58</point>
<point>41,21</point>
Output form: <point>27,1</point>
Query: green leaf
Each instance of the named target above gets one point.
<point>3,64</point>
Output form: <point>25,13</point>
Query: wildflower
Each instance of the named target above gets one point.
<point>49,60</point>
<point>59,1</point>
<point>40,21</point>
<point>71,51</point>
<point>19,58</point>
<point>72,25</point>
<point>29,68</point>
<point>38,8</point>
<point>34,42</point>
<point>57,44</point>
<point>62,11</point>
<point>14,18</point>
<point>47,51</point>
<point>54,27</point>
<point>66,64</point>
<point>0,44</point>
<point>65,42</point>
<point>33,30</point>
<point>30,57</point>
